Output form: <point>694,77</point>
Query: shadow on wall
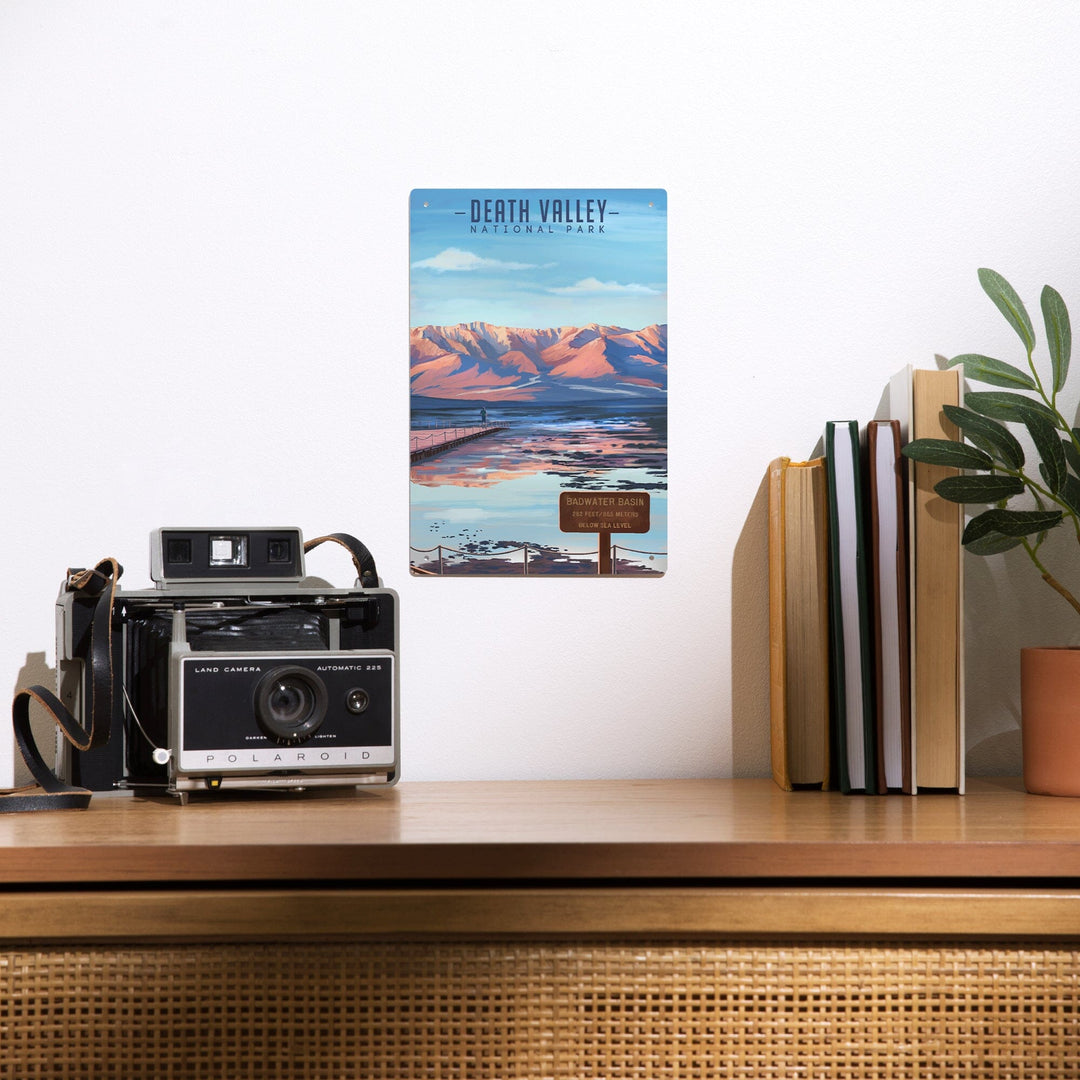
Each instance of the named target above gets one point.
<point>33,672</point>
<point>750,641</point>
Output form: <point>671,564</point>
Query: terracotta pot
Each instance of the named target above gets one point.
<point>1050,720</point>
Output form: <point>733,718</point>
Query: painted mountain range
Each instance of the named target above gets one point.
<point>481,362</point>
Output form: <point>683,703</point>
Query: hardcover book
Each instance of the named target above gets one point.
<point>888,545</point>
<point>938,606</point>
<point>935,585</point>
<point>538,382</point>
<point>799,623</point>
<point>851,645</point>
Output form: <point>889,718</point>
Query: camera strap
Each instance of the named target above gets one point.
<point>51,793</point>
<point>361,557</point>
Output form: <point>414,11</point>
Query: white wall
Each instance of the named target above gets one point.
<point>204,309</point>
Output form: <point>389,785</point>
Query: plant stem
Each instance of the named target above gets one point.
<point>1056,585</point>
<point>1038,380</point>
<point>1050,579</point>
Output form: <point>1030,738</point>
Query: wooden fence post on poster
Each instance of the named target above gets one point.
<point>605,551</point>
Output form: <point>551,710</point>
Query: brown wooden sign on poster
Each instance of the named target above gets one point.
<point>604,512</point>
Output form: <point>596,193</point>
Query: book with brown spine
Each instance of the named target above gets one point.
<point>798,623</point>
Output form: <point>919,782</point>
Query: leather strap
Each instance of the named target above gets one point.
<point>362,559</point>
<point>50,792</point>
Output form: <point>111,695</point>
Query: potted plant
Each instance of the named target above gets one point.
<point>999,471</point>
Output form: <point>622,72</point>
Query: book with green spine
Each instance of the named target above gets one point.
<point>850,626</point>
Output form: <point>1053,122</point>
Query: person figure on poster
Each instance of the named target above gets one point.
<point>483,417</point>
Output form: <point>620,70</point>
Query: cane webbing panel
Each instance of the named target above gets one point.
<point>549,1009</point>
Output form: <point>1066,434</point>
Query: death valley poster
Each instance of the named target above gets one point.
<point>538,382</point>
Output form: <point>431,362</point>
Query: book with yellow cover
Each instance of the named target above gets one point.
<point>936,592</point>
<point>798,623</point>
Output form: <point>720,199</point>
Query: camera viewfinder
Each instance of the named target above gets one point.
<point>228,551</point>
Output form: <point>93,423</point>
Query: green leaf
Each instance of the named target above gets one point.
<point>1070,493</point>
<point>978,489</point>
<point>1058,333</point>
<point>1009,304</point>
<point>993,544</point>
<point>1011,523</point>
<point>1048,443</point>
<point>996,439</point>
<point>946,452</point>
<point>1002,405</point>
<point>996,372</point>
<point>1072,455</point>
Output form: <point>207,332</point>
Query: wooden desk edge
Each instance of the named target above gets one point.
<point>583,831</point>
<point>525,862</point>
<point>684,912</point>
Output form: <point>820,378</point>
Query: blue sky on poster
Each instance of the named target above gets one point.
<point>514,264</point>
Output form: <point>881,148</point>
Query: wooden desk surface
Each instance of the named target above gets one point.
<point>569,831</point>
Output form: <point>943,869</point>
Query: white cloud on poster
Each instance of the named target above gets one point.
<point>591,286</point>
<point>454,259</point>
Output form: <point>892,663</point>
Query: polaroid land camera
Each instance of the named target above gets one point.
<point>237,671</point>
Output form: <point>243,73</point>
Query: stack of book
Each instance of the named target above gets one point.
<point>866,605</point>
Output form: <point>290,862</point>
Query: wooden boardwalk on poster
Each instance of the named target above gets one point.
<point>427,442</point>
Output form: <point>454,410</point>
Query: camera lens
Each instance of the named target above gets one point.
<point>290,704</point>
